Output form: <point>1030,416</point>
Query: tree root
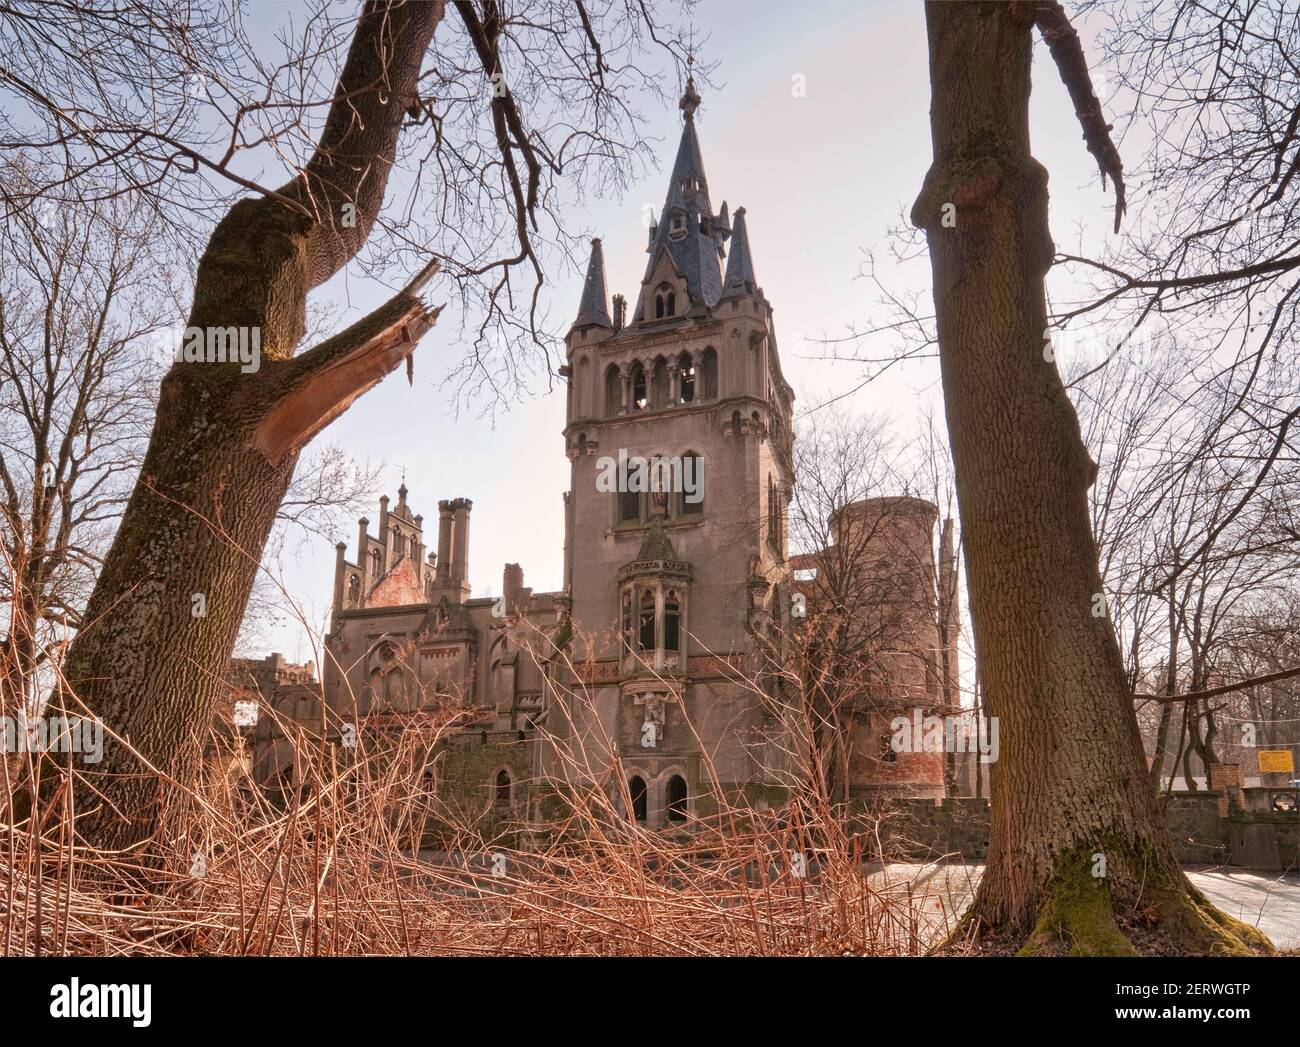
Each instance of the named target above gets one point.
<point>1079,916</point>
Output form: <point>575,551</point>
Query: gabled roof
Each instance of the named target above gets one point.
<point>399,585</point>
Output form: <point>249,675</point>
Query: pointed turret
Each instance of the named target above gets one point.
<point>687,229</point>
<point>740,264</point>
<point>594,308</point>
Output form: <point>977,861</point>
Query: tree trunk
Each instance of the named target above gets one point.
<point>1161,749</point>
<point>167,606</point>
<point>1077,847</point>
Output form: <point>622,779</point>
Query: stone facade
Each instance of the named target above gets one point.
<point>636,678</point>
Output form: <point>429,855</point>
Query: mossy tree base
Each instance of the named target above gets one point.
<point>1079,914</point>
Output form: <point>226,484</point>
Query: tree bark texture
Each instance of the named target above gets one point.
<point>1077,849</point>
<point>163,618</point>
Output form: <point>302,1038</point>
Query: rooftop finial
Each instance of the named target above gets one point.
<point>690,98</point>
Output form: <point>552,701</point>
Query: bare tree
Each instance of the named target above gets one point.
<point>1076,839</point>
<point>79,287</point>
<point>1217,250</point>
<point>168,602</point>
<point>870,627</point>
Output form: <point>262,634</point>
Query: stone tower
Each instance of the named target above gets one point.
<point>674,588</point>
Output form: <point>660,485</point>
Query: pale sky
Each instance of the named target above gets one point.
<point>822,177</point>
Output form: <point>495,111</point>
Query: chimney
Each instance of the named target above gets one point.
<point>444,541</point>
<point>460,508</point>
<point>363,553</point>
<point>340,553</point>
<point>512,588</point>
<point>620,312</point>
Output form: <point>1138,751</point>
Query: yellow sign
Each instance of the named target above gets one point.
<point>1275,761</point>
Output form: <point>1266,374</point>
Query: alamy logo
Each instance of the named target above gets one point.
<point>53,734</point>
<point>938,734</point>
<point>222,345</point>
<point>75,1000</point>
<point>659,475</point>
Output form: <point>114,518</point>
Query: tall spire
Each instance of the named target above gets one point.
<point>688,230</point>
<point>594,308</point>
<point>740,263</point>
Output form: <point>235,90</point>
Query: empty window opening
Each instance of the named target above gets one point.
<point>691,496</point>
<point>629,507</point>
<point>646,626</point>
<point>672,620</point>
<point>686,378</point>
<point>637,792</point>
<point>675,799</point>
<point>639,400</point>
<point>709,375</point>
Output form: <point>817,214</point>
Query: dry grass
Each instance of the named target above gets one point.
<point>338,870</point>
<point>336,867</point>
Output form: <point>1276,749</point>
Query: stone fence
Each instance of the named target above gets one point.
<point>1229,825</point>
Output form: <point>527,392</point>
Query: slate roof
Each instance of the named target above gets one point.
<point>740,262</point>
<point>657,545</point>
<point>594,308</point>
<point>695,254</point>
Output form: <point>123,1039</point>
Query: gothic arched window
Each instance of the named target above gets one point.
<point>671,304</point>
<point>691,497</point>
<point>376,563</point>
<point>613,391</point>
<point>675,799</point>
<point>686,377</point>
<point>354,590</point>
<point>672,620</point>
<point>639,400</point>
<point>626,617</point>
<point>501,787</point>
<point>646,621</point>
<point>659,307</point>
<point>659,383</point>
<point>709,375</point>
<point>637,793</point>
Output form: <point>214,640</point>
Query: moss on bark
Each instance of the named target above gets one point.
<point>1140,912</point>
<point>1077,916</point>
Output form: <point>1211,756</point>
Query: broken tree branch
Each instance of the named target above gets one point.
<point>1067,52</point>
<point>314,388</point>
